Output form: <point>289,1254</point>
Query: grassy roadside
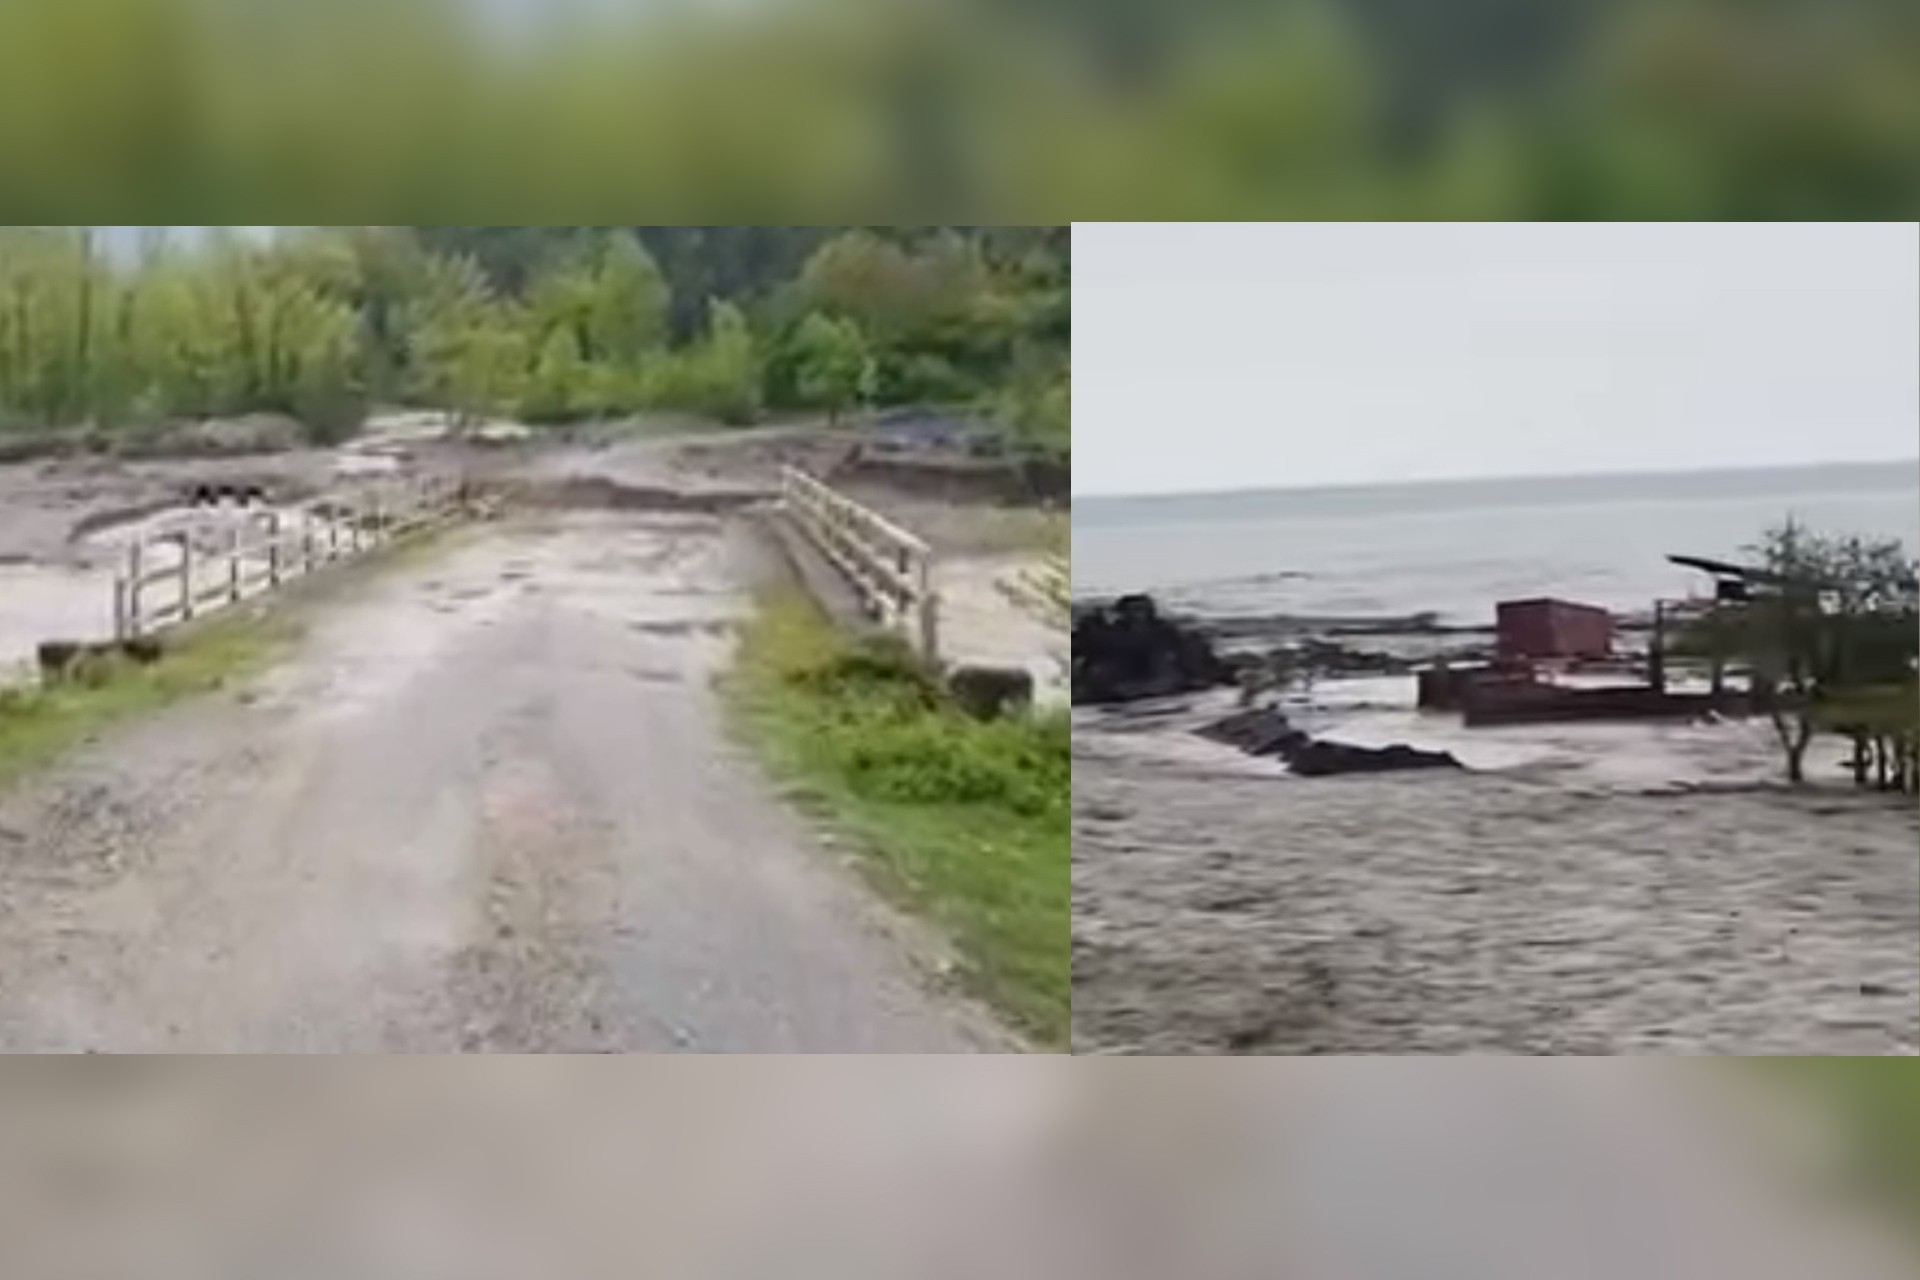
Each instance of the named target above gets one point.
<point>39,724</point>
<point>966,824</point>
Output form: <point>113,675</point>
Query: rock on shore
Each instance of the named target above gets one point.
<point>1129,650</point>
<point>1264,731</point>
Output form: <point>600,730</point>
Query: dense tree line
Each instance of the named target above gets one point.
<point>546,324</point>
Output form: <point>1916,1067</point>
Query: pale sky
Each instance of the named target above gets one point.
<point>1233,356</point>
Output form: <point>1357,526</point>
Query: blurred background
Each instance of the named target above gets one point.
<point>1011,1167</point>
<point>1045,112</point>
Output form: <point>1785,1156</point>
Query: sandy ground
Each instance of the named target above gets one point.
<point>1587,890</point>
<point>489,807</point>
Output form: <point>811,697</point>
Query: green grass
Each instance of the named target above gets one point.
<point>964,823</point>
<point>39,724</point>
<point>1876,1101</point>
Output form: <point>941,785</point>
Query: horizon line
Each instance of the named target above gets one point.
<point>1912,460</point>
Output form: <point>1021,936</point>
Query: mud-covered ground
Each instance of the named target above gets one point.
<point>485,804</point>
<point>1564,898</point>
<point>981,626</point>
<point>488,805</point>
<point>48,508</point>
<point>64,523</point>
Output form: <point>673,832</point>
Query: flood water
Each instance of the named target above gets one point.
<point>73,599</point>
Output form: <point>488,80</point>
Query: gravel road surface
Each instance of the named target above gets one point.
<point>487,806</point>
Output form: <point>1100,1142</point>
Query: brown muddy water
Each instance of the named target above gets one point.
<point>64,526</point>
<point>71,597</point>
<point>1604,889</point>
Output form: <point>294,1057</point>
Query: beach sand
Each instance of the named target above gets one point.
<point>1605,889</point>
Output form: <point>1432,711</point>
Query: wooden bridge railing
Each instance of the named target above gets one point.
<point>1044,590</point>
<point>167,580</point>
<point>891,569</point>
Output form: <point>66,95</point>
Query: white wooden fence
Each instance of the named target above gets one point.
<point>168,579</point>
<point>890,568</point>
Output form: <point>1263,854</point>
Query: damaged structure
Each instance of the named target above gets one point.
<point>1541,642</point>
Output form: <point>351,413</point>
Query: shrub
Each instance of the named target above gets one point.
<point>947,758</point>
<point>880,668</point>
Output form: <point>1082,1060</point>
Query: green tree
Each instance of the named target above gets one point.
<point>60,359</point>
<point>558,321</point>
<point>627,304</point>
<point>606,300</point>
<point>719,375</point>
<point>833,366</point>
<point>556,382</point>
<point>1048,420</point>
<point>1830,637</point>
<point>390,272</point>
<point>466,348</point>
<point>872,280</point>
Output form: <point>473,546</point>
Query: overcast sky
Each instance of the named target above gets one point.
<point>1209,356</point>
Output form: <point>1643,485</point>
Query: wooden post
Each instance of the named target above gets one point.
<point>186,577</point>
<point>273,551</point>
<point>902,605</point>
<point>136,570</point>
<point>306,540</point>
<point>1657,653</point>
<point>929,611</point>
<point>233,565</point>
<point>120,632</point>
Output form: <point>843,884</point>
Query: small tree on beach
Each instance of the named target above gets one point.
<point>1830,637</point>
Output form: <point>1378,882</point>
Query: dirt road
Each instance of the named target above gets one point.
<point>488,806</point>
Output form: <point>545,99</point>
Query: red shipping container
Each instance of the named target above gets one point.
<point>1552,629</point>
